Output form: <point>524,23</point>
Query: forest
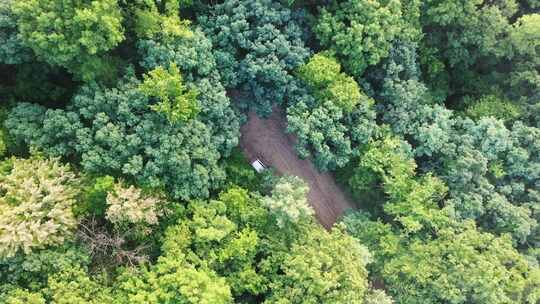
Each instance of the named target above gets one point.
<point>123,179</point>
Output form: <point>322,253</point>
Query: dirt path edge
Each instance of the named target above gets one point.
<point>267,140</point>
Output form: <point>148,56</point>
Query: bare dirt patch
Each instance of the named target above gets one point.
<point>267,140</point>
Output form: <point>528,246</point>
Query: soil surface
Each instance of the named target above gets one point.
<point>266,139</point>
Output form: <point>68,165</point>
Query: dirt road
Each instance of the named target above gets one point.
<point>266,139</point>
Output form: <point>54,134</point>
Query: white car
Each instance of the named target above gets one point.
<point>258,165</point>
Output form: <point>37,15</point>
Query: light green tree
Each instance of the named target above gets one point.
<point>412,201</point>
<point>172,280</point>
<point>22,296</point>
<point>493,106</point>
<point>458,264</point>
<point>462,267</point>
<point>192,266</point>
<point>288,202</point>
<point>209,238</point>
<point>76,286</point>
<point>322,267</point>
<point>524,80</point>
<point>322,73</point>
<point>74,34</point>
<point>525,37</point>
<point>176,101</point>
<point>383,161</point>
<point>151,22</point>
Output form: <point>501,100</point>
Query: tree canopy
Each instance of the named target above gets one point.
<point>361,32</point>
<point>258,44</point>
<point>127,159</point>
<point>72,34</point>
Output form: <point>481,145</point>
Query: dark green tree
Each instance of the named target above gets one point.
<point>12,49</point>
<point>114,131</point>
<point>258,44</point>
<point>333,118</point>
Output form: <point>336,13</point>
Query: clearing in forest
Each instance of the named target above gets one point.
<point>267,140</point>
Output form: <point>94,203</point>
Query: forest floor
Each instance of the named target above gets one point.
<point>267,140</point>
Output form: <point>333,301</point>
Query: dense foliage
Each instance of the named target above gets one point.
<point>334,118</point>
<point>113,132</point>
<point>12,51</point>
<point>460,265</point>
<point>37,197</point>
<point>123,178</point>
<point>361,32</point>
<point>176,102</point>
<point>72,34</point>
<point>258,44</point>
<point>481,161</point>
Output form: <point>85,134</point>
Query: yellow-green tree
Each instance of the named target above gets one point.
<point>322,267</point>
<point>74,34</point>
<point>322,73</point>
<point>175,100</point>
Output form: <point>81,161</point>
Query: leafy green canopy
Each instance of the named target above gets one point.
<point>12,49</point>
<point>324,131</point>
<point>493,106</point>
<point>491,170</point>
<point>288,202</point>
<point>323,267</point>
<point>176,102</point>
<point>257,45</point>
<point>194,58</point>
<point>335,120</point>
<point>55,275</point>
<point>360,32</point>
<point>112,132</point>
<point>411,201</point>
<point>459,265</point>
<point>232,248</point>
<point>159,19</point>
<point>423,254</point>
<point>322,73</point>
<point>173,280</point>
<point>193,55</point>
<point>74,34</point>
<point>459,56</point>
<point>524,81</point>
